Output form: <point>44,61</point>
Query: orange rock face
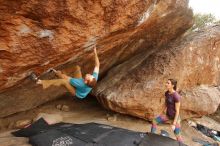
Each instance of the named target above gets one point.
<point>37,35</point>
<point>137,86</point>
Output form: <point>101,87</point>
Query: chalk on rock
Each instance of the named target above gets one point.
<point>46,33</point>
<point>89,45</point>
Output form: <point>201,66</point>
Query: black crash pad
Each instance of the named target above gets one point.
<point>90,134</point>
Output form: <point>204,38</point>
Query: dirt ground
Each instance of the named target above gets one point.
<point>89,110</point>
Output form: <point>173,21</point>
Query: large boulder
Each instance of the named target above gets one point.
<point>137,86</point>
<point>37,35</point>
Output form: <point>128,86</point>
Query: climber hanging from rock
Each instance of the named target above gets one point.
<point>76,85</point>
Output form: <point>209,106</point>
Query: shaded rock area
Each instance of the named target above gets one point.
<point>137,86</point>
<point>90,111</point>
<point>216,115</point>
<point>37,35</point>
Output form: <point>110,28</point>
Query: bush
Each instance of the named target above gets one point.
<point>202,20</point>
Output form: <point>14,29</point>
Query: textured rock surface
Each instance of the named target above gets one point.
<point>137,86</point>
<point>36,35</point>
<point>199,101</point>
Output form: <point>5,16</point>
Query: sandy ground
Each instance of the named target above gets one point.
<point>85,111</point>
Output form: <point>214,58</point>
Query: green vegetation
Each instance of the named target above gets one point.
<point>202,20</point>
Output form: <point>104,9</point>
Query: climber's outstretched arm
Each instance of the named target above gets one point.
<point>97,63</point>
